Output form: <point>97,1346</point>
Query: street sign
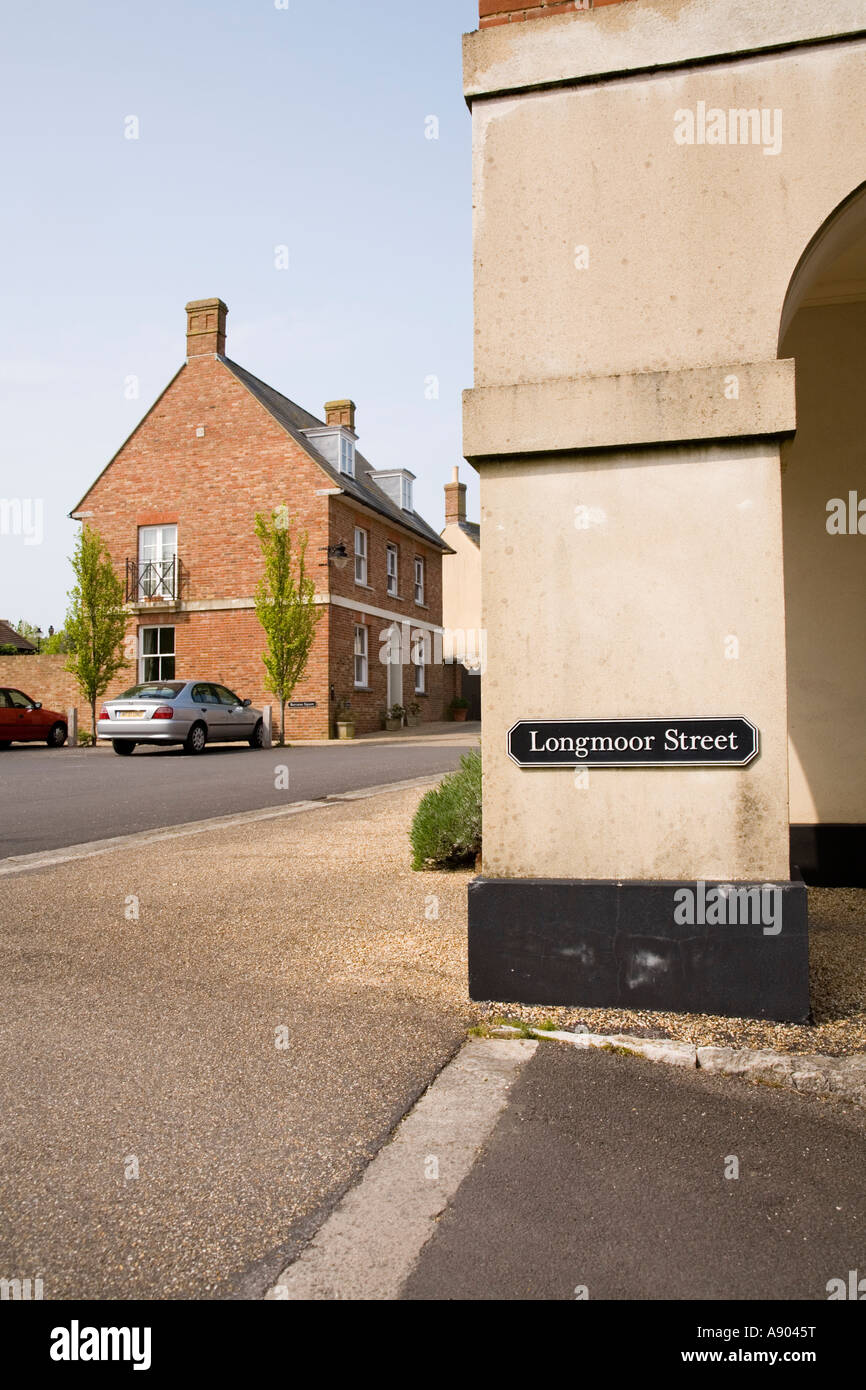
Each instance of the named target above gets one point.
<point>633,742</point>
<point>302,704</point>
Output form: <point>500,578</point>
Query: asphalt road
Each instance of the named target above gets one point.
<point>607,1173</point>
<point>57,797</point>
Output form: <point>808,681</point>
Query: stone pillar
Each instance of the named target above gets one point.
<point>627,417</point>
<point>268,726</point>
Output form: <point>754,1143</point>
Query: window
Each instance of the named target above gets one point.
<point>360,556</point>
<point>156,660</point>
<point>419,579</point>
<point>361,668</point>
<point>347,456</point>
<point>157,562</point>
<point>421,655</point>
<point>18,700</point>
<point>393,561</point>
<point>406,494</point>
<point>226,696</point>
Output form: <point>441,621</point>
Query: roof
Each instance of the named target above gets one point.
<point>294,420</point>
<point>472,529</point>
<point>10,638</point>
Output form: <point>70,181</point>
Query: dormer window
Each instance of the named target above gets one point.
<point>347,455</point>
<point>337,444</point>
<point>396,483</point>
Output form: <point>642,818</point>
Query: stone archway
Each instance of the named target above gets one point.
<point>824,518</point>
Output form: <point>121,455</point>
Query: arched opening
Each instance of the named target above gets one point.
<point>824,516</point>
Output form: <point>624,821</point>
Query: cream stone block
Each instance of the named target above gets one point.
<point>635,584</point>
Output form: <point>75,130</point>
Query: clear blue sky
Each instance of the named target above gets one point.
<point>259,127</point>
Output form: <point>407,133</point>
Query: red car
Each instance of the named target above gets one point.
<point>23,720</point>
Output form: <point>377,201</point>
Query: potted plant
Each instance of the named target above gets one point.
<point>345,720</point>
<point>394,718</point>
<point>459,708</point>
<point>413,714</point>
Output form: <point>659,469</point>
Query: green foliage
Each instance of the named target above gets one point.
<point>446,830</point>
<point>55,644</point>
<point>96,622</point>
<point>8,649</point>
<point>285,606</point>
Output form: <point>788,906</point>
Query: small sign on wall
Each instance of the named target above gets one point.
<point>302,704</point>
<point>633,742</point>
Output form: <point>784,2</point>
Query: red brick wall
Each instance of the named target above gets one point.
<point>368,707</point>
<point>43,678</point>
<point>509,11</point>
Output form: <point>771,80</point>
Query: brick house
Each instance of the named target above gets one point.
<point>176,507</point>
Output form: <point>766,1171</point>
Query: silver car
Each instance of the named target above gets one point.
<point>193,713</point>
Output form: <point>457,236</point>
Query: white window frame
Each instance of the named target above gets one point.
<point>362,656</point>
<point>422,648</point>
<point>361,548</point>
<point>392,553</point>
<point>157,545</point>
<point>158,655</point>
<point>406,494</point>
<point>347,456</point>
<point>419,579</point>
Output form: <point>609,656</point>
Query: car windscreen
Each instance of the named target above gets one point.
<point>155,690</point>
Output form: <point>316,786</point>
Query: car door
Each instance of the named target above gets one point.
<point>26,721</point>
<point>6,717</point>
<point>238,720</point>
<point>207,706</point>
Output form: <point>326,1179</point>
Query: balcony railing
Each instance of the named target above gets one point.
<point>155,579</point>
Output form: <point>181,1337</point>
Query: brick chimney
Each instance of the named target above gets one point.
<point>455,500</point>
<point>340,413</point>
<point>205,327</point>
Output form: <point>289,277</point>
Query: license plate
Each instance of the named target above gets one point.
<point>130,714</point>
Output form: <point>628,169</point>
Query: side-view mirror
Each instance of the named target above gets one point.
<point>37,704</point>
<point>245,704</point>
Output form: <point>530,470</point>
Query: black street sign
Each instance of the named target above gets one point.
<point>633,742</point>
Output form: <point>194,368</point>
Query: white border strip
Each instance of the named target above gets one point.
<point>369,1244</point>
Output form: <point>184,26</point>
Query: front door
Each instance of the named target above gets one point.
<point>394,670</point>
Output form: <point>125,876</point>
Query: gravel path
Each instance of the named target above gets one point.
<point>837,959</point>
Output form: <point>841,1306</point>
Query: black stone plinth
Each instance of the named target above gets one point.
<point>610,943</point>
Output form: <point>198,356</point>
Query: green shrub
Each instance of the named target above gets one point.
<point>446,831</point>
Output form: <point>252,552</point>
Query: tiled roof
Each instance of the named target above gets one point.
<point>294,420</point>
<point>9,638</point>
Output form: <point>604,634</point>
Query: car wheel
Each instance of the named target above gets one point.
<point>257,737</point>
<point>5,743</point>
<point>123,746</point>
<point>196,739</point>
<point>56,735</point>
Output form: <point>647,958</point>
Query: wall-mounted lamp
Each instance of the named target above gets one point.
<point>337,555</point>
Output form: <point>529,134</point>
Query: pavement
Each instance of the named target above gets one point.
<point>57,797</point>
<point>203,1043</point>
<point>233,1065</point>
<point>604,1178</point>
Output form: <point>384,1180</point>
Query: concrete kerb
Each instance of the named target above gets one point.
<point>844,1077</point>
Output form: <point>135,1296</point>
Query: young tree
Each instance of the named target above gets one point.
<point>285,606</point>
<point>96,622</point>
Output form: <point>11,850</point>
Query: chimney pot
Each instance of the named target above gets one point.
<point>455,500</point>
<point>205,327</point>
